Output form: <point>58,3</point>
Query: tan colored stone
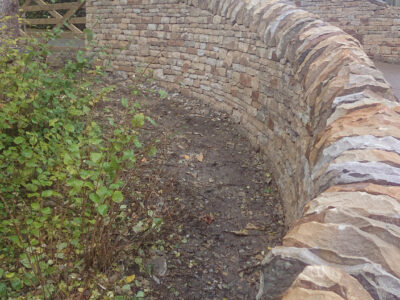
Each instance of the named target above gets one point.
<point>369,155</point>
<point>318,280</point>
<point>360,19</point>
<point>377,120</point>
<point>345,240</point>
<point>298,293</point>
<point>364,155</point>
<point>379,204</point>
<point>380,226</point>
<point>245,80</point>
<point>344,109</point>
<point>371,188</point>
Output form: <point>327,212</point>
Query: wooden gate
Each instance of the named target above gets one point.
<point>58,15</point>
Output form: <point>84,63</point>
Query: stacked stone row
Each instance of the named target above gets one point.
<point>309,97</point>
<point>373,22</point>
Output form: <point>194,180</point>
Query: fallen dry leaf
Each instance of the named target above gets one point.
<point>187,157</point>
<point>242,232</point>
<point>251,226</point>
<point>129,279</point>
<point>259,257</point>
<point>208,218</point>
<point>200,157</point>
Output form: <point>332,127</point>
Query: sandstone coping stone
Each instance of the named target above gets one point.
<point>283,265</point>
<point>374,23</point>
<point>323,282</point>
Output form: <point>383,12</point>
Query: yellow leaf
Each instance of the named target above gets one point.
<point>187,157</point>
<point>129,279</point>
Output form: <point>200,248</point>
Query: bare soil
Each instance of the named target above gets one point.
<point>221,209</point>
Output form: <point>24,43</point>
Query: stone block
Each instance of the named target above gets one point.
<point>323,282</point>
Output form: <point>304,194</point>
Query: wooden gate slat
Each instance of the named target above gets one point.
<point>26,4</point>
<point>47,6</point>
<point>68,15</point>
<point>54,21</point>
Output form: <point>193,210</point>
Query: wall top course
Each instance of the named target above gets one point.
<point>372,22</point>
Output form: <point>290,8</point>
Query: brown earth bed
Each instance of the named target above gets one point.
<point>220,207</point>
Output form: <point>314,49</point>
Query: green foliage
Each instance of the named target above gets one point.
<point>163,94</point>
<point>61,193</point>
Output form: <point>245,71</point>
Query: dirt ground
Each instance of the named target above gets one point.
<point>220,206</point>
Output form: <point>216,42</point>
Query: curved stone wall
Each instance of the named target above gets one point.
<point>373,22</point>
<point>312,101</point>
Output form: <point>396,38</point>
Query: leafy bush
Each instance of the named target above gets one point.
<point>61,199</point>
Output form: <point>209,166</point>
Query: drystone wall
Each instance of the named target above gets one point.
<point>373,22</point>
<point>309,97</point>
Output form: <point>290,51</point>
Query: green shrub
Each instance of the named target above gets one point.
<point>61,199</point>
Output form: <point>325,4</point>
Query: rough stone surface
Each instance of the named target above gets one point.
<point>282,266</point>
<point>323,282</point>
<point>309,98</point>
<point>374,23</point>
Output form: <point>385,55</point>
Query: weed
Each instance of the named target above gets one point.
<point>61,192</point>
